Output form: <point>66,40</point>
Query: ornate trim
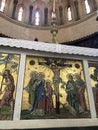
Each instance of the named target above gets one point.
<point>49,47</point>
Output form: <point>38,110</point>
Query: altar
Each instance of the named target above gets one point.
<point>46,85</point>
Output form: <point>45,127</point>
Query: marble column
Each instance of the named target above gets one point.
<point>61,15</point>
<point>95,5</point>
<point>30,14</point>
<point>77,10</point>
<point>14,8</point>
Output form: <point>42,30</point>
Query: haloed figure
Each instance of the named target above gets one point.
<point>30,88</point>
<point>8,81</point>
<point>39,97</point>
<point>49,100</point>
<point>72,95</point>
<point>81,87</point>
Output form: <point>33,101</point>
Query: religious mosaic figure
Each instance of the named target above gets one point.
<point>55,89</point>
<point>56,81</point>
<point>80,87</point>
<point>8,81</point>
<point>72,95</point>
<point>40,93</point>
<point>56,66</point>
<point>49,100</point>
<point>30,88</point>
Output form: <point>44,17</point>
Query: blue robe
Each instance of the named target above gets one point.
<point>40,94</point>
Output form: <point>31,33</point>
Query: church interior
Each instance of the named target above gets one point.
<point>49,64</point>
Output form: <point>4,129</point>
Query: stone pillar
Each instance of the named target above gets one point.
<point>14,8</point>
<point>9,8</point>
<point>81,8</point>
<point>61,15</point>
<point>46,16</point>
<point>95,5</point>
<point>30,14</point>
<point>77,10</point>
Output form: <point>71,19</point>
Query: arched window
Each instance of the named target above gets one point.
<point>69,12</point>
<point>2,5</point>
<point>87,6</point>
<point>20,14</point>
<point>37,17</point>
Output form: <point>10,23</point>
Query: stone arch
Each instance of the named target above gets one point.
<point>17,11</point>
<point>39,5</point>
<point>71,5</point>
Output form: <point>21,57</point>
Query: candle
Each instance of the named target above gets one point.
<point>54,5</point>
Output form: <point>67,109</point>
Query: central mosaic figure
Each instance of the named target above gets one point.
<point>54,88</point>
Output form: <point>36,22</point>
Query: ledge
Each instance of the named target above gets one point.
<point>47,47</point>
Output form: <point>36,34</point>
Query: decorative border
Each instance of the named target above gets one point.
<point>48,47</point>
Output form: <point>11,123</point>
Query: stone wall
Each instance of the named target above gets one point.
<point>68,32</point>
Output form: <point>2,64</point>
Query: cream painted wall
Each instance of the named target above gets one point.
<point>68,32</point>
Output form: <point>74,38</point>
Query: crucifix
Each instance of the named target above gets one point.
<point>56,65</point>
